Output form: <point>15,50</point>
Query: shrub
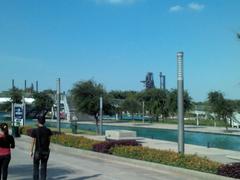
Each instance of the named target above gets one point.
<point>27,130</point>
<point>230,170</point>
<point>104,147</point>
<point>74,141</point>
<point>166,157</point>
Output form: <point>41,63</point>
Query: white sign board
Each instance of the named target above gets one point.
<point>18,114</point>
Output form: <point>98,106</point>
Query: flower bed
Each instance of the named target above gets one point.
<point>166,157</point>
<point>74,141</point>
<point>230,170</point>
<point>104,147</point>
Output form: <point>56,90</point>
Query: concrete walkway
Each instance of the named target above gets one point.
<point>75,164</point>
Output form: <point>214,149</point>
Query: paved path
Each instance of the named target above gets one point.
<point>72,164</point>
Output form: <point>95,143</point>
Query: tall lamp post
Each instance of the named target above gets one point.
<point>58,105</point>
<point>143,113</point>
<point>180,86</point>
<point>101,115</point>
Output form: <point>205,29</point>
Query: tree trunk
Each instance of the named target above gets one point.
<point>226,123</point>
<point>45,113</point>
<point>121,116</point>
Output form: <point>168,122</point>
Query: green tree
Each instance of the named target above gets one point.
<point>122,94</point>
<point>220,106</point>
<point>172,102</point>
<point>156,102</point>
<point>117,99</point>
<point>131,105</point>
<point>85,97</point>
<point>16,95</point>
<point>42,104</point>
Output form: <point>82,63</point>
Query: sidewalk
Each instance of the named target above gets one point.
<point>103,166</point>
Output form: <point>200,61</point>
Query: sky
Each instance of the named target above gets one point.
<point>116,42</point>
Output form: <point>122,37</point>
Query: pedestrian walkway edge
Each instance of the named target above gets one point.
<point>21,142</point>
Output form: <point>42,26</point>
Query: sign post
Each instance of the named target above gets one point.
<point>18,114</point>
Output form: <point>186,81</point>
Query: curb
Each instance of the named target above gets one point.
<point>131,162</point>
<point>233,157</point>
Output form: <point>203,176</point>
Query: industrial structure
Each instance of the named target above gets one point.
<point>162,81</point>
<point>149,82</point>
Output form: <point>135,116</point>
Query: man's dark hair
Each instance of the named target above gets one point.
<point>41,120</point>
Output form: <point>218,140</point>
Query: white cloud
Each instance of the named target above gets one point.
<point>196,7</point>
<point>116,2</point>
<point>176,8</point>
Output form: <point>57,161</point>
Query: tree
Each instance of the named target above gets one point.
<point>85,97</point>
<point>238,35</point>
<point>172,102</point>
<point>156,102</point>
<point>117,99</point>
<point>16,95</point>
<point>220,106</point>
<point>131,105</point>
<point>42,104</point>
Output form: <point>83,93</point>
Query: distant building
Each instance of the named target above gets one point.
<point>162,81</point>
<point>149,82</point>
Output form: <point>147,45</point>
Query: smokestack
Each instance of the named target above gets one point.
<point>25,85</point>
<point>36,86</point>
<point>164,82</point>
<point>32,87</point>
<point>161,82</point>
<point>13,86</point>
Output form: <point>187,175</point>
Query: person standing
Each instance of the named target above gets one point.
<point>41,141</point>
<point>6,143</point>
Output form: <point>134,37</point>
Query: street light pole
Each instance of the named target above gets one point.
<point>101,115</point>
<point>58,105</point>
<point>180,86</point>
<point>143,107</point>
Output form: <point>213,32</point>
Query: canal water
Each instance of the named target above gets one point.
<point>222,141</point>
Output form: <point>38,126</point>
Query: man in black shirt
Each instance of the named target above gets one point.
<point>41,141</point>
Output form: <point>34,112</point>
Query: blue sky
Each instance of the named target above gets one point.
<point>116,42</point>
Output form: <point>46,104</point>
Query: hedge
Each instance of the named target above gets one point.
<point>104,147</point>
<point>74,141</point>
<point>66,140</point>
<point>230,170</point>
<point>167,157</point>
